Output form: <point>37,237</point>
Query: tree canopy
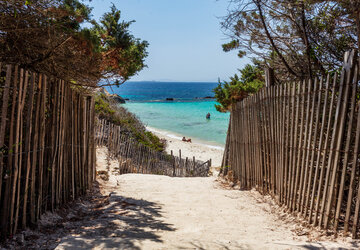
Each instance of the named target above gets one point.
<point>238,88</point>
<point>300,39</point>
<point>59,38</point>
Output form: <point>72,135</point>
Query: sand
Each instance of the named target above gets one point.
<point>201,150</point>
<point>160,212</point>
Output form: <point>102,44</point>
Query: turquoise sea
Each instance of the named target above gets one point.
<point>184,116</point>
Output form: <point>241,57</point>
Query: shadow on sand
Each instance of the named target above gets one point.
<point>114,222</point>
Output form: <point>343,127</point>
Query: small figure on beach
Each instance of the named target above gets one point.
<point>186,140</point>
<point>208,116</point>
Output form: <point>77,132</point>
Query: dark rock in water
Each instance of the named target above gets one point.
<point>114,97</point>
<point>209,97</point>
<point>127,99</point>
<point>169,99</point>
<point>117,98</point>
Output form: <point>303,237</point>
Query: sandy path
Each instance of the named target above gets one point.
<point>188,213</point>
<point>160,212</point>
<point>203,215</point>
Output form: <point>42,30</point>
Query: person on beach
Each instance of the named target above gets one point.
<point>208,116</point>
<point>186,140</point>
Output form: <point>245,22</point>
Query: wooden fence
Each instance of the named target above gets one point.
<point>136,158</point>
<point>299,142</point>
<point>47,148</point>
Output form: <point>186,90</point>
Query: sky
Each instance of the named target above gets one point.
<point>184,38</point>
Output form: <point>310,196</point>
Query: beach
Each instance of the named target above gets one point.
<point>200,149</point>
<point>183,116</point>
<point>139,211</point>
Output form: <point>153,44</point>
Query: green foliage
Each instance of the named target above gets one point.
<point>234,44</point>
<point>298,39</point>
<point>238,88</point>
<point>225,167</point>
<point>149,140</point>
<point>102,107</point>
<point>59,38</point>
<point>122,54</point>
<point>130,124</point>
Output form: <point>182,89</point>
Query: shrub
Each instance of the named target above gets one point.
<point>130,124</point>
<point>238,88</point>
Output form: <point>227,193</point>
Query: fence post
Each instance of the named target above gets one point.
<point>209,166</point>
<point>269,77</point>
<point>180,166</point>
<point>173,158</point>
<point>225,160</point>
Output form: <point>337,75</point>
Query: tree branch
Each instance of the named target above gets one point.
<point>291,71</point>
<point>306,40</point>
<point>48,55</point>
